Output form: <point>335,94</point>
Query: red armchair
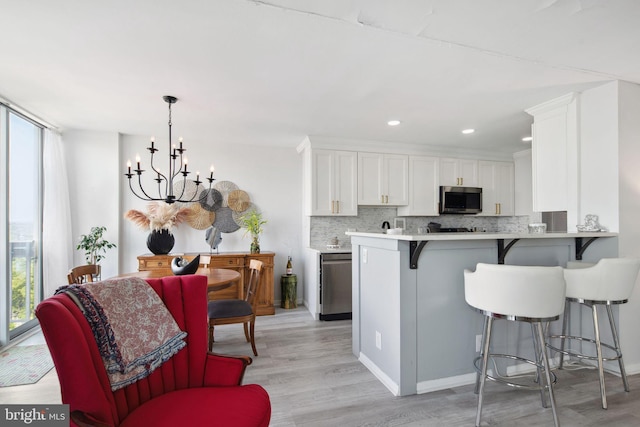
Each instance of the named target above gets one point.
<point>194,388</point>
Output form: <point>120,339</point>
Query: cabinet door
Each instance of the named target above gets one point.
<point>322,182</point>
<point>504,190</point>
<point>550,162</point>
<point>468,171</point>
<point>449,173</point>
<point>346,183</point>
<point>555,133</point>
<point>496,180</point>
<point>395,176</point>
<point>486,180</point>
<point>462,172</point>
<point>370,167</point>
<point>423,187</point>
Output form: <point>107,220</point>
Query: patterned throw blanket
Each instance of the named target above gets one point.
<point>134,330</point>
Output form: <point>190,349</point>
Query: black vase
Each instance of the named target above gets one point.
<point>160,242</point>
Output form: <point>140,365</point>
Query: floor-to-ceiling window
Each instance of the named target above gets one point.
<point>21,143</point>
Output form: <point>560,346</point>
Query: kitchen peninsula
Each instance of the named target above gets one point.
<point>411,325</point>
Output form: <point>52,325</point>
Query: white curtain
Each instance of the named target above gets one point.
<point>57,244</point>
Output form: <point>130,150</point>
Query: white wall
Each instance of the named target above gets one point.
<point>610,183</point>
<point>598,155</point>
<point>100,196</point>
<point>92,169</point>
<point>629,195</point>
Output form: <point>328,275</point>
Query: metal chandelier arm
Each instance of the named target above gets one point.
<point>178,165</point>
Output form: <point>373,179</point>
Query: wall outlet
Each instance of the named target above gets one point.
<point>365,255</point>
<point>378,340</point>
<point>478,342</point>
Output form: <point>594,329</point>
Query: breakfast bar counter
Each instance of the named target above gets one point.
<point>411,325</point>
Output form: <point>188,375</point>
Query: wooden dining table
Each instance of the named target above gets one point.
<point>217,278</point>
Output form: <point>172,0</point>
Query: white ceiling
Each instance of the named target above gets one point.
<point>271,72</point>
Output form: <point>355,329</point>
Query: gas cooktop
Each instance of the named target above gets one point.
<point>454,230</point>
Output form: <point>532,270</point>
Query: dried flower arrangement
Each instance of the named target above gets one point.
<point>159,216</point>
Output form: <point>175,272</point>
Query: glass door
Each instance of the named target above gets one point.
<point>22,193</point>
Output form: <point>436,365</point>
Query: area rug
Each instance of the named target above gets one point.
<point>24,364</point>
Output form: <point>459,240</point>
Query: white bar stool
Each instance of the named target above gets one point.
<point>516,293</point>
<point>610,281</point>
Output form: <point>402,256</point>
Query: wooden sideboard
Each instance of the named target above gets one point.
<point>238,261</point>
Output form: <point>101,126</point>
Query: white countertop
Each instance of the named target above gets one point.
<point>480,236</point>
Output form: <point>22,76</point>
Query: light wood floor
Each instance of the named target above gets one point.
<point>314,380</point>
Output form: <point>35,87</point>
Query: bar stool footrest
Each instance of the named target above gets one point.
<point>508,380</point>
<point>578,355</point>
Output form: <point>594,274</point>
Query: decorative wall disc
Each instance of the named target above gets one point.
<point>200,218</point>
<point>225,188</point>
<point>239,200</point>
<point>237,215</point>
<point>190,189</point>
<point>224,221</point>
<point>211,200</point>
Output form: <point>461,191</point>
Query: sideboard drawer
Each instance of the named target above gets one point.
<point>224,262</point>
<point>155,263</point>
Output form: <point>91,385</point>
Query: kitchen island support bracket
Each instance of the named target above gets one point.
<point>415,248</point>
<point>580,248</point>
<point>503,250</point>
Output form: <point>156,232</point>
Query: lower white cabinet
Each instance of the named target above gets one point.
<point>423,187</point>
<point>497,182</point>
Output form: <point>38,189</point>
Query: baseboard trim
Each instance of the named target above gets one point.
<point>381,376</point>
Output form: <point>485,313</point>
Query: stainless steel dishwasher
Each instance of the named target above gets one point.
<point>335,286</point>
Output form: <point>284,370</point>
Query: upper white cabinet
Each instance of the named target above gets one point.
<point>334,183</point>
<point>497,182</point>
<point>383,179</point>
<point>423,187</point>
<point>523,195</point>
<point>458,172</point>
<point>555,134</point>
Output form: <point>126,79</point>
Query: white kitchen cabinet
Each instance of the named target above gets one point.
<point>523,195</point>
<point>334,183</point>
<point>383,179</point>
<point>555,134</point>
<point>497,182</point>
<point>458,172</point>
<point>423,187</point>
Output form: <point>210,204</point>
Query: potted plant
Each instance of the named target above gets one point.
<point>160,218</point>
<point>252,221</point>
<point>94,245</point>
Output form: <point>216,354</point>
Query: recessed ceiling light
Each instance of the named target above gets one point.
<point>393,122</point>
<point>527,138</point>
<point>468,131</point>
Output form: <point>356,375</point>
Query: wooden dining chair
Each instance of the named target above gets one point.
<point>83,274</point>
<point>228,311</point>
<point>205,260</point>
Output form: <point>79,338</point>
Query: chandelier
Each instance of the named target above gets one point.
<point>177,166</point>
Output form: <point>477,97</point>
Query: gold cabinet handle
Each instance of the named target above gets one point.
<point>382,199</point>
<point>386,199</point>
<point>337,206</point>
<point>499,208</point>
<point>333,203</point>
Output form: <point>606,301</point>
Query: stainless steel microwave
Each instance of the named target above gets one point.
<point>460,200</point>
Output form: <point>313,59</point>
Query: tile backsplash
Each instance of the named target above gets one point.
<point>370,219</point>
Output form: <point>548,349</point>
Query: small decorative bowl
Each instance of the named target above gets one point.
<point>180,267</point>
